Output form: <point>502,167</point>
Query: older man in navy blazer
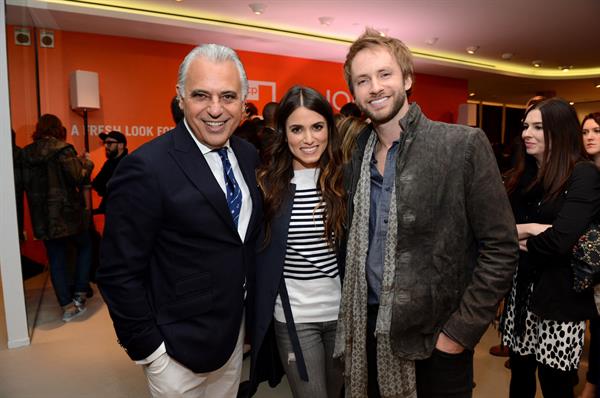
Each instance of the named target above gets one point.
<point>182,218</point>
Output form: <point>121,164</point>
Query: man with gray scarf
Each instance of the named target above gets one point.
<point>431,245</point>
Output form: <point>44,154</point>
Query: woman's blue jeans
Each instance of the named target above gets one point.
<point>325,374</point>
<point>62,281</point>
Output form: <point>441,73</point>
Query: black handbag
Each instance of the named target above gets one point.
<point>586,259</point>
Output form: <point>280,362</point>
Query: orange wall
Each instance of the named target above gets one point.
<point>22,88</point>
<point>137,81</point>
<point>439,97</point>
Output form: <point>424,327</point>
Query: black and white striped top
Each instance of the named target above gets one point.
<point>310,268</point>
<point>308,255</point>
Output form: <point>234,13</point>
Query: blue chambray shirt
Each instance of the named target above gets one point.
<point>381,192</point>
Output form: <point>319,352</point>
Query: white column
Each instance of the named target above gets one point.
<point>10,258</point>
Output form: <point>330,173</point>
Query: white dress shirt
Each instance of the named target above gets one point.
<point>216,166</point>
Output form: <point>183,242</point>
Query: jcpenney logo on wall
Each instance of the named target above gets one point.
<point>337,99</point>
<point>254,90</point>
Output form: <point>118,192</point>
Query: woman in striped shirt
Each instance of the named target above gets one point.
<point>297,282</point>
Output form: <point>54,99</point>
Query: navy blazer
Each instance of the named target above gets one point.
<point>265,364</point>
<point>173,267</point>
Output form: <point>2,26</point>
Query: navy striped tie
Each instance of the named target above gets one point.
<point>234,193</point>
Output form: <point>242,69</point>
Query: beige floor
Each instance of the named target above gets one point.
<point>82,359</point>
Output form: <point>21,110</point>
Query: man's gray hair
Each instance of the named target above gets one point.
<point>213,53</point>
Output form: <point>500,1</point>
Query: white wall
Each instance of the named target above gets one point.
<point>10,258</point>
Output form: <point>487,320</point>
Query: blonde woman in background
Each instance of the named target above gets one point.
<point>349,127</point>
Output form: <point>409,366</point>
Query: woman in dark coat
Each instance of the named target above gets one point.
<point>590,128</point>
<point>298,275</point>
<point>555,195</point>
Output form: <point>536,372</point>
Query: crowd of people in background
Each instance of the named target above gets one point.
<point>365,251</point>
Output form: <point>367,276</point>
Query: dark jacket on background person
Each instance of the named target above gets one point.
<point>547,263</point>
<point>100,182</point>
<point>19,188</point>
<point>456,234</point>
<point>267,138</point>
<point>53,177</point>
<point>249,131</point>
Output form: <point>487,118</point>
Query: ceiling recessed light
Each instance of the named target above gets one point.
<point>571,103</point>
<point>472,49</point>
<point>471,94</point>
<point>537,63</point>
<point>326,20</point>
<point>507,56</point>
<point>257,8</point>
<point>382,31</point>
<point>432,41</point>
<point>565,68</point>
<point>598,85</point>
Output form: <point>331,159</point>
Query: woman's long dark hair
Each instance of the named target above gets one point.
<point>562,138</point>
<point>595,116</point>
<point>275,176</point>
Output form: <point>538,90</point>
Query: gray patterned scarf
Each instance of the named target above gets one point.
<point>396,376</point>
